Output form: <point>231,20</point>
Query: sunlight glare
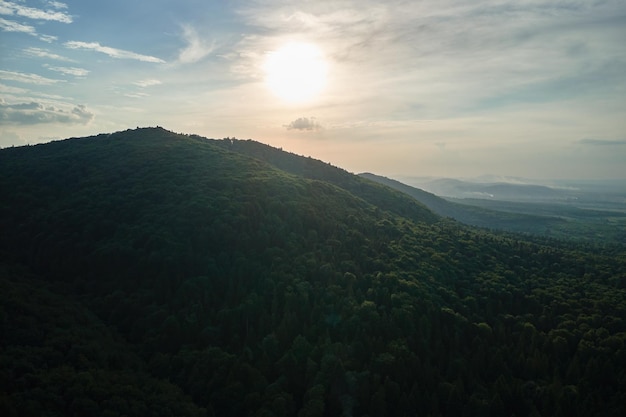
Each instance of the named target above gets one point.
<point>296,72</point>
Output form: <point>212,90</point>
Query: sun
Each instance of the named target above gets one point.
<point>296,72</point>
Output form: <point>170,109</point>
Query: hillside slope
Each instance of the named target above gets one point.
<point>217,282</point>
<point>310,168</point>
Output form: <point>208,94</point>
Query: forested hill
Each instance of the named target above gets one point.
<point>149,273</point>
<point>314,169</point>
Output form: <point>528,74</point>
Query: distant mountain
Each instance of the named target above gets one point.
<point>473,215</point>
<point>592,211</point>
<point>497,191</point>
<point>145,272</point>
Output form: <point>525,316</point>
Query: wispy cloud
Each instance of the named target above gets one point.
<point>444,55</point>
<point>304,123</point>
<point>37,113</point>
<point>12,26</point>
<point>18,94</point>
<point>196,49</point>
<point>147,83</point>
<point>48,38</point>
<point>603,142</point>
<point>112,52</point>
<point>42,53</point>
<point>26,78</point>
<point>14,9</point>
<point>136,95</point>
<point>57,5</point>
<point>77,72</point>
<point>7,89</point>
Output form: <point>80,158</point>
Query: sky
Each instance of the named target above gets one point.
<point>447,88</point>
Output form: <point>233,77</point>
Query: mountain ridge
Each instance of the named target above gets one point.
<point>474,216</point>
<point>597,222</point>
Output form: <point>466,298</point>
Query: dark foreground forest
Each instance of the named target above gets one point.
<point>149,273</point>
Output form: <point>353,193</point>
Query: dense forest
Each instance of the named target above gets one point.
<point>150,273</point>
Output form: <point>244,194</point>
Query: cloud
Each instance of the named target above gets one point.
<point>11,90</point>
<point>57,5</point>
<point>26,78</point>
<point>37,113</point>
<point>112,52</point>
<point>25,94</point>
<point>48,38</point>
<point>149,82</point>
<point>13,9</point>
<point>603,142</point>
<point>77,72</point>
<point>136,95</point>
<point>11,26</point>
<point>408,51</point>
<point>304,123</point>
<point>42,53</point>
<point>196,49</point>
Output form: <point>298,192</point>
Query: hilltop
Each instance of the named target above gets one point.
<point>146,272</point>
